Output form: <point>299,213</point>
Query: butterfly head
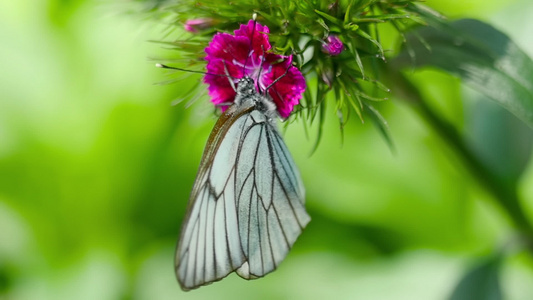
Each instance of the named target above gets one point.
<point>247,92</point>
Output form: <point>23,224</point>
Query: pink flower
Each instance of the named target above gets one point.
<point>245,54</point>
<point>333,45</point>
<point>196,25</point>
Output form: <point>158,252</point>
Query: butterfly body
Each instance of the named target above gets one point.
<point>246,208</point>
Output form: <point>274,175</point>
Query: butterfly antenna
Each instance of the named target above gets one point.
<point>191,71</point>
<point>260,69</point>
<point>250,47</point>
<point>279,78</point>
<point>230,79</point>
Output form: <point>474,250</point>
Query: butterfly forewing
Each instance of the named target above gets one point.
<point>247,205</point>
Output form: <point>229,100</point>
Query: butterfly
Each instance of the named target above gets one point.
<point>246,207</point>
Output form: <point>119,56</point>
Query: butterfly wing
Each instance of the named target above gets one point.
<point>270,198</point>
<point>247,205</point>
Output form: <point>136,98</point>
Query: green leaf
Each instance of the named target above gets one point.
<point>485,58</point>
<point>371,39</point>
<point>382,125</point>
<point>328,17</point>
<point>487,131</point>
<point>481,282</point>
<point>321,116</point>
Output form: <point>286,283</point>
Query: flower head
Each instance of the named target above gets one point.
<point>333,45</point>
<point>245,54</point>
<point>196,25</point>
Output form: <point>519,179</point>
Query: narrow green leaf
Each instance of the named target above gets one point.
<point>381,86</point>
<point>380,18</point>
<point>351,93</point>
<point>347,14</point>
<point>485,58</point>
<point>320,98</point>
<point>308,100</point>
<point>368,97</point>
<point>351,26</point>
<point>381,124</point>
<point>371,39</point>
<point>322,118</point>
<point>322,23</point>
<point>358,61</point>
<point>367,20</point>
<point>364,3</point>
<point>270,18</point>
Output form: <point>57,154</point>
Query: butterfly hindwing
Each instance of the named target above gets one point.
<point>247,205</point>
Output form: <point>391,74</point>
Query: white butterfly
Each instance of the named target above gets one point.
<point>246,208</point>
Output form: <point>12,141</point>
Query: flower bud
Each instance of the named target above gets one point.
<point>332,46</point>
<point>196,25</point>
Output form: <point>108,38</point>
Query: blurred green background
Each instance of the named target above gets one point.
<point>96,167</point>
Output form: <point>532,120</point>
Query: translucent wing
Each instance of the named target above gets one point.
<point>247,205</point>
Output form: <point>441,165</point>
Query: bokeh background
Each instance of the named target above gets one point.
<point>96,166</point>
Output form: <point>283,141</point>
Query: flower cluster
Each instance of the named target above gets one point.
<point>246,54</point>
<point>336,43</point>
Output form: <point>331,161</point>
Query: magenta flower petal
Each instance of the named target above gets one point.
<point>244,54</point>
<point>288,90</point>
<point>222,53</point>
<point>228,47</point>
<point>258,36</point>
<point>220,89</point>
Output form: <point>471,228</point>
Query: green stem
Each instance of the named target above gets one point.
<point>505,194</point>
